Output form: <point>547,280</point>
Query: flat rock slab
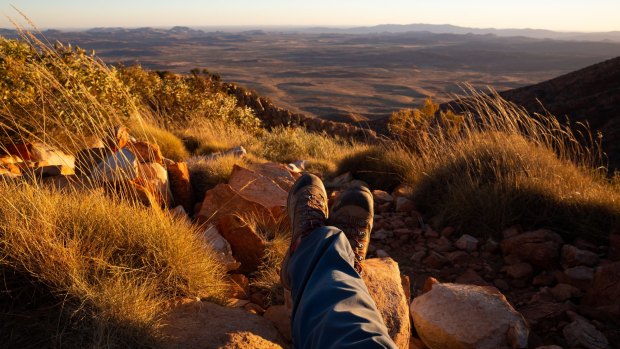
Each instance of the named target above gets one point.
<point>255,187</point>
<point>382,278</point>
<point>192,324</point>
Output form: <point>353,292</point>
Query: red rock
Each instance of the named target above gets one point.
<point>519,271</point>
<point>428,284</point>
<point>543,279</point>
<point>458,257</point>
<point>564,292</point>
<point>404,205</point>
<point>247,246</point>
<point>544,311</point>
<point>223,251</point>
<point>604,294</point>
<point>154,177</point>
<point>435,260</point>
<point>223,201</point>
<point>180,185</point>
<point>254,308</point>
<point>280,317</point>
<point>239,286</point>
<point>257,188</point>
<point>467,243</point>
<point>146,152</point>
<point>278,173</point>
<point>573,257</point>
<point>470,277</point>
<point>20,150</point>
<point>580,277</point>
<point>540,248</point>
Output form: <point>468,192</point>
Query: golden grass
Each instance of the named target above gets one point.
<point>504,167</point>
<point>277,237</point>
<point>171,146</point>
<point>101,269</point>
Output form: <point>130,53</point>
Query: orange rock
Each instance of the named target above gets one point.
<point>279,315</point>
<point>180,185</point>
<point>239,286</point>
<point>258,188</point>
<point>383,280</point>
<point>247,246</point>
<point>20,150</point>
<point>223,201</point>
<point>154,177</point>
<point>278,173</point>
<point>146,152</point>
<point>429,283</point>
<point>192,324</point>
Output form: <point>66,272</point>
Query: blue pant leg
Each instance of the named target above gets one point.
<point>331,304</point>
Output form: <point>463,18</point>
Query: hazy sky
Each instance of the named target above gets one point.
<point>566,15</point>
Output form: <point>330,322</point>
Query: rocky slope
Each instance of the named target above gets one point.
<point>590,95</point>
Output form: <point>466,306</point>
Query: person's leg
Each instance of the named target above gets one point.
<point>331,304</point>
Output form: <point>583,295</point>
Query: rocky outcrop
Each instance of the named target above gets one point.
<point>273,116</point>
<point>192,324</point>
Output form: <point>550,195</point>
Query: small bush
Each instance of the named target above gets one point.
<point>382,167</point>
<point>206,173</point>
<point>171,146</point>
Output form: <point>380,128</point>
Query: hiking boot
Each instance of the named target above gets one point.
<point>307,210</point>
<point>353,213</point>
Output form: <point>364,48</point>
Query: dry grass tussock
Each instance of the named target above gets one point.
<point>503,167</point>
<point>276,234</point>
<point>80,270</point>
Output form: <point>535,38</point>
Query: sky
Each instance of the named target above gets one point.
<point>561,15</point>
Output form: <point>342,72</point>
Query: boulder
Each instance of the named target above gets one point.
<point>117,167</point>
<point>154,177</point>
<point>180,185</point>
<point>466,316</point>
<point>383,280</point>
<point>223,201</point>
<point>279,316</point>
<point>192,324</point>
<point>574,257</point>
<point>582,333</point>
<point>541,248</point>
<point>146,152</point>
<point>278,173</point>
<point>257,188</point>
<point>580,277</point>
<point>222,248</point>
<point>247,246</point>
<point>239,286</point>
<point>604,294</point>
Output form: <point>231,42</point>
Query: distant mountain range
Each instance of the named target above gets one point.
<point>613,36</point>
<point>452,29</point>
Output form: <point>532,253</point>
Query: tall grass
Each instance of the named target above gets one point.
<point>99,270</point>
<point>503,167</point>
